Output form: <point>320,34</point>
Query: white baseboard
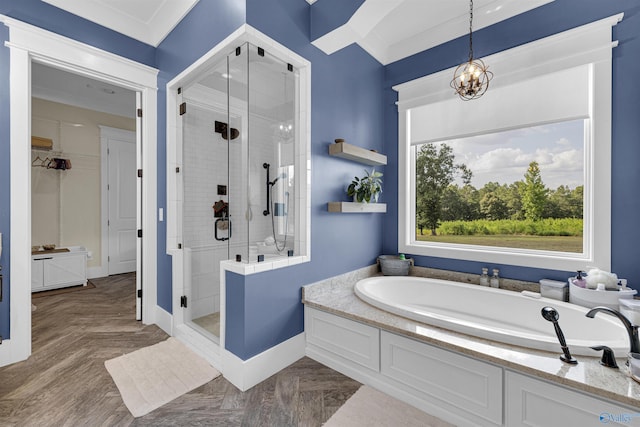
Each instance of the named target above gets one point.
<point>9,354</point>
<point>96,272</point>
<point>164,320</point>
<point>244,374</point>
<point>204,347</point>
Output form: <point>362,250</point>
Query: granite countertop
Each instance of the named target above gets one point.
<point>337,296</point>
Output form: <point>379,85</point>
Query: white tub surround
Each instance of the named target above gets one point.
<point>460,378</point>
<point>495,314</point>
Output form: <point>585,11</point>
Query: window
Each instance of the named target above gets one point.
<point>521,188</point>
<point>566,90</point>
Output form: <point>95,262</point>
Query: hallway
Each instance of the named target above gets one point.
<point>64,382</point>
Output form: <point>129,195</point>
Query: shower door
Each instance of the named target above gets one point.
<point>208,228</point>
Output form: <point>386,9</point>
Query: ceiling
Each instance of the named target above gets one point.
<point>148,21</point>
<point>389,30</point>
<point>63,87</point>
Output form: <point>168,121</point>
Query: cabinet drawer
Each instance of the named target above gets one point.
<point>65,269</point>
<point>532,402</point>
<point>351,340</point>
<point>444,375</point>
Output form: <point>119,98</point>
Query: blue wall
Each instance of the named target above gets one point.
<point>544,21</point>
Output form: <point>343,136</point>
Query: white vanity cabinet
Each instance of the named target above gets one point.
<point>453,386</point>
<point>58,269</point>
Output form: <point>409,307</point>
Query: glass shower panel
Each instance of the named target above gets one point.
<point>272,132</point>
<point>240,207</point>
<point>206,225</point>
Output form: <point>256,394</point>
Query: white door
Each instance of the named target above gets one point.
<point>122,175</point>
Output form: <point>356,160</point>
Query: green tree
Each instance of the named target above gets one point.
<point>514,200</point>
<point>435,172</point>
<point>534,193</point>
<point>559,203</point>
<point>460,203</point>
<point>577,202</point>
<point>493,207</point>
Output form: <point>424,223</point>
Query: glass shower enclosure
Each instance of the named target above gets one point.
<point>239,195</point>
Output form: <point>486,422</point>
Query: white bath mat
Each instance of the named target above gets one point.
<point>152,376</point>
<point>370,408</point>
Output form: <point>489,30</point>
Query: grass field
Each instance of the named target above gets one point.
<point>548,243</point>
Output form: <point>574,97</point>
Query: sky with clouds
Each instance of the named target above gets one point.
<point>504,157</point>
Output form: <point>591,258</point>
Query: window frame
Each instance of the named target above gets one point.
<point>589,45</point>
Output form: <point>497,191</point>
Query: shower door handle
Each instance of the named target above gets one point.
<point>222,239</point>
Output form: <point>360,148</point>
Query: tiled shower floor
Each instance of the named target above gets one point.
<point>210,322</point>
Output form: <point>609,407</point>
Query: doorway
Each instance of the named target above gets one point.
<point>84,193</point>
<point>30,44</point>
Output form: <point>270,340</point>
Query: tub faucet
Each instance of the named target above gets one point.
<point>634,343</point>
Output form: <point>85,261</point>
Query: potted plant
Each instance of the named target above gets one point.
<point>366,189</point>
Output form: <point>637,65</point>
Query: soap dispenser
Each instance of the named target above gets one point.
<point>484,277</point>
<point>495,279</point>
<point>579,280</point>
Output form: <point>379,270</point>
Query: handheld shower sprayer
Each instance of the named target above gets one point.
<point>282,175</point>
<point>551,314</point>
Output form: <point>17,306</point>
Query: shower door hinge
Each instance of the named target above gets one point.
<point>139,232</point>
<point>139,112</point>
<point>139,293</point>
<point>139,173</point>
<point>183,301</point>
<point>183,108</point>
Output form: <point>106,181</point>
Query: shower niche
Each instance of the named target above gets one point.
<point>241,155</point>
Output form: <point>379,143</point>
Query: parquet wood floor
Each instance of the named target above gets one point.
<point>65,383</point>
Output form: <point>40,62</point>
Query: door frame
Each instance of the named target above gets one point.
<point>28,43</point>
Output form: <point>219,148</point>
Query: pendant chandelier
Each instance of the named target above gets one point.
<point>471,79</point>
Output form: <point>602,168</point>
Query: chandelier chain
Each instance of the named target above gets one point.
<point>470,30</point>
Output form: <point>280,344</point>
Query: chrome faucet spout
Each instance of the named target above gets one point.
<point>634,343</point>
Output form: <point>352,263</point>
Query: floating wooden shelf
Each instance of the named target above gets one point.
<point>358,154</point>
<point>351,207</point>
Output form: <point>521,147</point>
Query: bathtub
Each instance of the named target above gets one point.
<point>494,314</point>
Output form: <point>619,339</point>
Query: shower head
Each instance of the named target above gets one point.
<point>283,175</point>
